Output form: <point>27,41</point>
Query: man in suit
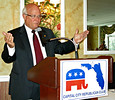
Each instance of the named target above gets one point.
<point>19,49</point>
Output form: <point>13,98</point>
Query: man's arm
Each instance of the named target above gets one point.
<point>6,57</point>
<point>8,54</point>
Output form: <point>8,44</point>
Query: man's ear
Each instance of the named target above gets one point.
<point>24,16</point>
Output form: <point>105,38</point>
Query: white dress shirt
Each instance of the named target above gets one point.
<point>30,37</point>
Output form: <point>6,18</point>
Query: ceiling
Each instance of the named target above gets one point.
<point>100,12</point>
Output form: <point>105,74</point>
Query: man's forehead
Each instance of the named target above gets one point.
<point>31,6</point>
<point>33,9</point>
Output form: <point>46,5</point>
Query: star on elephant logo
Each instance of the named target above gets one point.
<point>75,77</point>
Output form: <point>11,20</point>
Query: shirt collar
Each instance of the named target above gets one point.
<point>29,29</point>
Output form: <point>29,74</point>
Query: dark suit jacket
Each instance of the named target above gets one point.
<point>22,60</point>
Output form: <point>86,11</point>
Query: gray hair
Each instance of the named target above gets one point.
<point>24,11</point>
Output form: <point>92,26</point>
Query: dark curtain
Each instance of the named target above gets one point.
<point>106,30</point>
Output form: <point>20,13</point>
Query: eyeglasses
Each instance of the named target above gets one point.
<point>34,16</point>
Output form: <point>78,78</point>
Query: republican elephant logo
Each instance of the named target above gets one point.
<point>75,77</point>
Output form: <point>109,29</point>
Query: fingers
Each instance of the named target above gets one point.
<point>4,33</point>
<point>77,31</point>
<point>8,39</point>
<point>81,36</point>
<point>87,32</point>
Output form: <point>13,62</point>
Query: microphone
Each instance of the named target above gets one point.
<point>63,38</point>
<point>42,36</point>
<point>44,40</point>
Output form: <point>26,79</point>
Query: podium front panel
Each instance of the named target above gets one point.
<point>82,79</point>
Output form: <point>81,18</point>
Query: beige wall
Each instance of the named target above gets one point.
<point>74,19</point>
<point>9,19</point>
<point>73,9</point>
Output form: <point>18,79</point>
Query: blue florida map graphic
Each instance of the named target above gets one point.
<point>77,77</point>
<point>99,74</point>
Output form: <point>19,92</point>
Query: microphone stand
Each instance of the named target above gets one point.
<point>76,47</point>
<point>52,39</point>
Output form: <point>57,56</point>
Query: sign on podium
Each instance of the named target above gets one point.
<point>71,79</point>
<point>82,79</point>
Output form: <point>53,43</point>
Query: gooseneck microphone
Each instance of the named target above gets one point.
<point>63,38</point>
<point>44,40</point>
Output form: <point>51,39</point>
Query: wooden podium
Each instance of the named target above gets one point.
<point>47,74</point>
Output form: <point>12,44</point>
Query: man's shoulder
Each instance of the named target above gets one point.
<point>46,29</point>
<point>16,29</point>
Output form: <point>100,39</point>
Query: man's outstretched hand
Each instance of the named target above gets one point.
<point>79,37</point>
<point>9,39</point>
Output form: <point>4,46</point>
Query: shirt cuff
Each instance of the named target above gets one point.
<point>77,44</point>
<point>11,51</point>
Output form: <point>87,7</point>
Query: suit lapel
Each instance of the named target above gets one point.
<point>45,36</point>
<point>25,41</point>
<point>44,40</point>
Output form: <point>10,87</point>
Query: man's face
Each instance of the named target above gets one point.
<point>31,19</point>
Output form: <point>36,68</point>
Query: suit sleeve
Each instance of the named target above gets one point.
<point>64,48</point>
<point>57,47</point>
<point>6,57</point>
